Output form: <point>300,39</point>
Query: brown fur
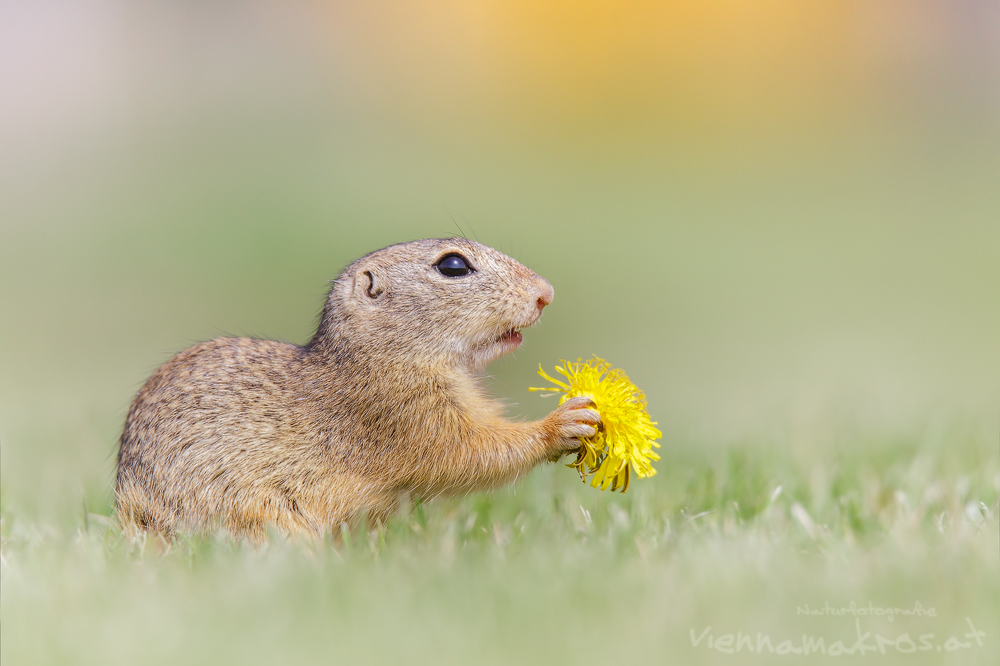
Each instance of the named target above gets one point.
<point>385,401</point>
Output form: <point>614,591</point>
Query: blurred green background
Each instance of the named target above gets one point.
<point>782,219</point>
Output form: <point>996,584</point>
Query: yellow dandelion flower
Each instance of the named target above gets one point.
<point>625,438</point>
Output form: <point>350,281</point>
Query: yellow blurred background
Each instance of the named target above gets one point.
<point>782,219</point>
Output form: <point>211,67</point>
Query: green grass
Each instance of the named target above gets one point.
<point>550,571</point>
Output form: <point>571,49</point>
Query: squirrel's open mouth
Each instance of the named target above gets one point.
<point>509,341</point>
<point>492,349</point>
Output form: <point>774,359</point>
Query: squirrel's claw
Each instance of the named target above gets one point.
<point>574,419</point>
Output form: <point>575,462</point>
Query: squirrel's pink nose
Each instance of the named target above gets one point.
<point>544,292</point>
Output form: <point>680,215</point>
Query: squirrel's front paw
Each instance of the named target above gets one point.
<point>573,419</point>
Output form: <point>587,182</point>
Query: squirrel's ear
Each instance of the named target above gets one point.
<point>367,284</point>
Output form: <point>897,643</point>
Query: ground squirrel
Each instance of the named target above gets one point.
<point>386,400</point>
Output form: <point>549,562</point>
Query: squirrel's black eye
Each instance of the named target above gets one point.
<point>454,265</point>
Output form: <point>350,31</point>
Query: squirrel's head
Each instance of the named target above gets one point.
<point>451,300</point>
